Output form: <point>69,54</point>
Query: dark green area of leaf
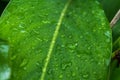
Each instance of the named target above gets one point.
<point>115,71</point>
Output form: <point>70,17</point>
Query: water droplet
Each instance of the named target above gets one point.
<point>63,45</point>
<point>77,68</point>
<point>65,65</point>
<point>37,63</point>
<point>97,2</point>
<point>24,62</point>
<point>22,31</point>
<point>50,71</point>
<point>100,28</point>
<point>46,22</point>
<point>94,72</point>
<point>99,63</point>
<point>13,57</point>
<point>62,36</point>
<point>46,40</point>
<point>15,29</point>
<point>94,30</point>
<point>73,74</point>
<point>89,48</point>
<point>84,13</point>
<point>35,31</point>
<point>107,40</point>
<point>24,68</point>
<point>7,22</point>
<point>107,62</point>
<point>85,76</point>
<point>93,11</point>
<point>39,39</point>
<point>81,37</point>
<point>70,36</point>
<point>72,46</point>
<point>108,34</point>
<point>79,55</point>
<point>21,26</point>
<point>103,24</point>
<point>61,76</point>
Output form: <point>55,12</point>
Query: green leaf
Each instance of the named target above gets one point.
<point>57,39</point>
<point>116,45</point>
<point>115,71</point>
<point>116,31</point>
<point>115,74</point>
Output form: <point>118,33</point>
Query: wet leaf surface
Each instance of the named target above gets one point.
<point>56,40</point>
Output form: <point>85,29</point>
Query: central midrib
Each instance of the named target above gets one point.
<point>54,40</point>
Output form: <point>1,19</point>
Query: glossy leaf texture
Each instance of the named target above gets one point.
<point>57,39</point>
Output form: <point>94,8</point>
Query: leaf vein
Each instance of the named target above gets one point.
<point>54,40</point>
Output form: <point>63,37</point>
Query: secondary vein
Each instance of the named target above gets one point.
<point>54,40</point>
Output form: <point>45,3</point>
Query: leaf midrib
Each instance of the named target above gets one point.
<point>54,40</point>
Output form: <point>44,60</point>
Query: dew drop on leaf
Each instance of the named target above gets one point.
<point>37,63</point>
<point>62,36</point>
<point>22,31</point>
<point>107,33</point>
<point>66,65</point>
<point>85,76</point>
<point>24,62</point>
<point>70,36</point>
<point>73,74</point>
<point>78,55</point>
<point>13,57</point>
<point>89,48</point>
<point>62,45</point>
<point>24,68</point>
<point>61,76</point>
<point>81,37</point>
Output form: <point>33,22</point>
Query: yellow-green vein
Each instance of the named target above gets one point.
<point>53,40</point>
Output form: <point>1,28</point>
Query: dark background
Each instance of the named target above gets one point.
<point>3,4</point>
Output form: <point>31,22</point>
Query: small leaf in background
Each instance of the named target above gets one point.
<point>116,44</point>
<point>110,7</point>
<point>116,31</point>
<point>115,74</point>
<point>114,70</point>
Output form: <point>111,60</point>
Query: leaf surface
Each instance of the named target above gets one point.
<point>56,40</point>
